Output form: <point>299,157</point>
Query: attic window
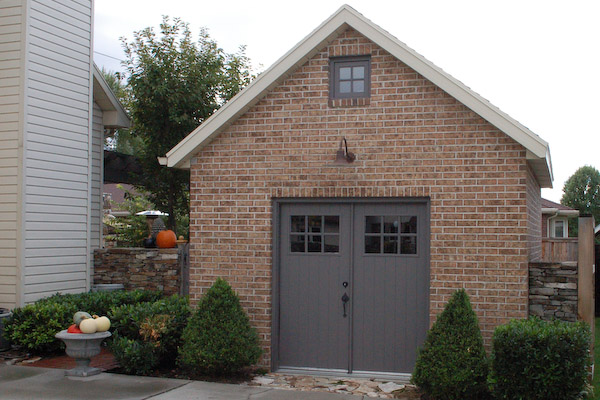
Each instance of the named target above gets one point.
<point>350,77</point>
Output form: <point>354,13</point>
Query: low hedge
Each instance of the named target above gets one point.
<point>33,327</point>
<point>534,359</point>
<point>147,335</point>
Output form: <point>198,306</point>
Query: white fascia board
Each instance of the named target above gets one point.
<point>338,22</point>
<point>113,113</point>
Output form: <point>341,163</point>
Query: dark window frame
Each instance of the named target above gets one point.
<point>335,63</point>
<point>381,235</point>
<point>307,236</point>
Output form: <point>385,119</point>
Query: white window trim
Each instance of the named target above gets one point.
<point>552,227</point>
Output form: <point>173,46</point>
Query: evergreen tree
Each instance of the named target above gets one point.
<point>452,365</point>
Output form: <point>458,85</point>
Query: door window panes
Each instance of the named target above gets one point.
<point>390,234</point>
<point>314,233</point>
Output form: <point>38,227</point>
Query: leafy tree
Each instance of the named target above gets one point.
<point>175,84</point>
<point>582,191</point>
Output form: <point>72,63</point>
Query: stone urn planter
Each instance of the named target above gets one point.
<point>82,347</point>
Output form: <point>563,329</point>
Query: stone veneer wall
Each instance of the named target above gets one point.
<point>138,268</point>
<point>553,290</point>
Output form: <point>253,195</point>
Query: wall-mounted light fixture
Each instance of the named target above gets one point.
<point>343,156</point>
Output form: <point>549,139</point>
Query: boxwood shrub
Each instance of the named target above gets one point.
<point>33,327</point>
<point>219,339</point>
<point>452,365</point>
<point>147,335</point>
<point>534,359</point>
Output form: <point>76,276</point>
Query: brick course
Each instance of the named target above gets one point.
<point>412,140</point>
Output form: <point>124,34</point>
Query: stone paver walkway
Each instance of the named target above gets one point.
<point>359,387</point>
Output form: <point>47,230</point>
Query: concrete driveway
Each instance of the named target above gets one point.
<point>44,383</point>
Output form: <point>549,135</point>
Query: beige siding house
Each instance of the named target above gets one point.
<point>54,108</point>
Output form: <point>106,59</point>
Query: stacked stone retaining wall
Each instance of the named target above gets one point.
<point>138,268</point>
<point>553,290</point>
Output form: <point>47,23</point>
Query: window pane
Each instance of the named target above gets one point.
<point>559,229</point>
<point>358,72</point>
<point>408,245</point>
<point>390,244</point>
<point>331,243</point>
<point>390,224</point>
<point>332,224</point>
<point>298,223</point>
<point>314,244</point>
<point>372,224</point>
<point>409,225</point>
<point>314,224</point>
<point>297,243</point>
<point>345,73</point>
<point>358,86</point>
<point>372,244</point>
<point>345,86</point>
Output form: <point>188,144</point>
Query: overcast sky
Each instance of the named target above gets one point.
<point>538,61</point>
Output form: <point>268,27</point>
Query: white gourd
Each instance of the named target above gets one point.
<point>88,325</point>
<point>102,324</point>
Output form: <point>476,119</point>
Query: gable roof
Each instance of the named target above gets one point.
<point>538,151</point>
<point>113,113</point>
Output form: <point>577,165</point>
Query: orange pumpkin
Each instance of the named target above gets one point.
<point>166,239</point>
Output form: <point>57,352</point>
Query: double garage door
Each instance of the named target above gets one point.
<point>352,285</point>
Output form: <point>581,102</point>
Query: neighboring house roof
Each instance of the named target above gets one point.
<point>538,152</point>
<point>113,113</point>
<point>550,207</point>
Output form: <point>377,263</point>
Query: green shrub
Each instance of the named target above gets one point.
<point>33,327</point>
<point>452,363</point>
<point>534,359</point>
<point>219,339</point>
<point>134,356</point>
<point>154,328</point>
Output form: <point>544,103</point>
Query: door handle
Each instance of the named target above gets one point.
<point>345,300</point>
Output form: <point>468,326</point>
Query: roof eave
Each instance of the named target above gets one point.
<point>113,113</point>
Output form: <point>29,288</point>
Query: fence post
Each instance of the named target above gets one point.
<point>183,258</point>
<point>585,274</point>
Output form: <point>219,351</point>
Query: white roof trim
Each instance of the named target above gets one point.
<point>113,113</point>
<point>346,16</point>
<point>560,212</point>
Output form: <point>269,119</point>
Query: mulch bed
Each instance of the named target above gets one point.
<point>105,360</point>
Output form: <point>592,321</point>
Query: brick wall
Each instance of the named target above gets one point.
<point>138,268</point>
<point>412,139</point>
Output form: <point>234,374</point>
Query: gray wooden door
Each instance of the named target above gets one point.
<point>390,286</point>
<point>315,254</point>
<point>377,254</point>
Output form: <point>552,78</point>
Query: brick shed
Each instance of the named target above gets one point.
<point>343,265</point>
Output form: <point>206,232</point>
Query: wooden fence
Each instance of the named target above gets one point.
<point>559,250</point>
